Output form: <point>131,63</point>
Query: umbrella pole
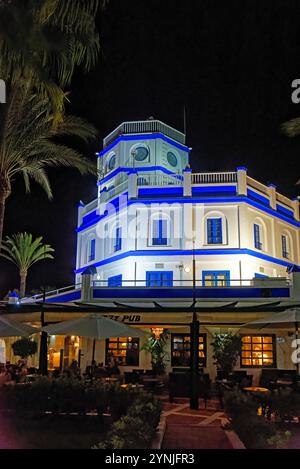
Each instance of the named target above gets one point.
<point>93,354</point>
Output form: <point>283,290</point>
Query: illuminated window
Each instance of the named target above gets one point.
<point>258,350</point>
<point>124,349</point>
<point>181,350</point>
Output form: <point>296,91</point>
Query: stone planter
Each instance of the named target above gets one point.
<point>160,433</point>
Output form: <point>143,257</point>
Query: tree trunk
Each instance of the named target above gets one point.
<point>23,275</point>
<point>5,191</point>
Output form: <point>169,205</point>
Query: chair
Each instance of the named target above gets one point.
<point>131,377</point>
<point>180,385</point>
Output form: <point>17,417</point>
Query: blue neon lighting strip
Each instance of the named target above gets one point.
<point>138,169</point>
<point>258,197</point>
<point>189,252</point>
<point>214,189</point>
<point>143,137</point>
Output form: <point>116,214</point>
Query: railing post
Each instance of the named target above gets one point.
<point>80,210</point>
<point>86,285</point>
<point>242,180</point>
<point>187,182</point>
<point>132,185</point>
<point>272,195</point>
<point>296,208</point>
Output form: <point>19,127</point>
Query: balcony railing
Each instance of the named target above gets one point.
<point>149,126</point>
<point>159,180</point>
<point>106,196</point>
<point>214,178</point>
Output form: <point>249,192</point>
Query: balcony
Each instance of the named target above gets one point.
<point>144,127</point>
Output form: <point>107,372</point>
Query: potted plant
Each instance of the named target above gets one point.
<point>226,350</point>
<point>24,348</point>
<point>155,345</point>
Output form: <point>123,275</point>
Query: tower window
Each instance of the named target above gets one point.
<point>140,152</point>
<point>112,162</point>
<point>172,159</point>
<point>214,231</point>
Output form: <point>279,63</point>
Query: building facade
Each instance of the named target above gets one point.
<point>160,235</point>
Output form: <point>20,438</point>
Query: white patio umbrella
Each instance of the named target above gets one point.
<point>285,320</point>
<point>15,329</point>
<point>95,326</point>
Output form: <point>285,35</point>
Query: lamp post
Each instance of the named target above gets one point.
<point>194,340</point>
<point>43,357</point>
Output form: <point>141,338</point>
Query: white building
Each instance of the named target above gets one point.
<point>161,237</point>
<point>153,216</point>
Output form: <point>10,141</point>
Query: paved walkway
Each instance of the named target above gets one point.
<point>194,429</point>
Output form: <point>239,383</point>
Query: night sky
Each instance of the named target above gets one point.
<point>230,64</point>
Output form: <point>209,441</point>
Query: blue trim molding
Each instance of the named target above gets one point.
<point>143,137</point>
<point>183,252</point>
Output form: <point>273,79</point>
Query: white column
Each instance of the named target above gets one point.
<point>132,185</point>
<point>272,195</point>
<point>187,182</point>
<point>80,209</point>
<point>242,180</point>
<point>294,274</point>
<point>86,285</point>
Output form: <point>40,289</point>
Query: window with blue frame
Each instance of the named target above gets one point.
<point>159,279</point>
<point>257,236</point>
<point>115,281</point>
<point>160,232</point>
<point>216,278</point>
<point>284,244</point>
<point>214,231</point>
<point>118,240</point>
<point>92,250</point>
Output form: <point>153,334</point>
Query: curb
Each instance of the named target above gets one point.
<point>161,430</point>
<point>233,438</point>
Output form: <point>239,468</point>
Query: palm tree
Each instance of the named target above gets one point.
<point>23,251</point>
<point>42,42</point>
<point>29,144</point>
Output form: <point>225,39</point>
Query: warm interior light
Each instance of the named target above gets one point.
<point>157,331</point>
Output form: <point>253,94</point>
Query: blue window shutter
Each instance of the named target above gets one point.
<point>155,230</point>
<point>115,281</point>
<point>160,235</point>
<point>159,279</point>
<point>164,232</point>
<point>118,244</point>
<point>214,231</point>
<point>92,250</point>
<point>257,242</point>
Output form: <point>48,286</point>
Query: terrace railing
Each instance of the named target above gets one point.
<point>159,180</point>
<point>214,178</point>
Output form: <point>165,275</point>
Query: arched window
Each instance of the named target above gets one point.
<point>259,235</point>
<point>91,249</point>
<point>215,225</point>
<point>160,230</point>
<point>286,245</point>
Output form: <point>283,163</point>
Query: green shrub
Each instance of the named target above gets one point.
<point>254,430</point>
<point>136,429</point>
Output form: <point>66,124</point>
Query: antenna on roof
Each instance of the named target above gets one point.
<point>184,120</point>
